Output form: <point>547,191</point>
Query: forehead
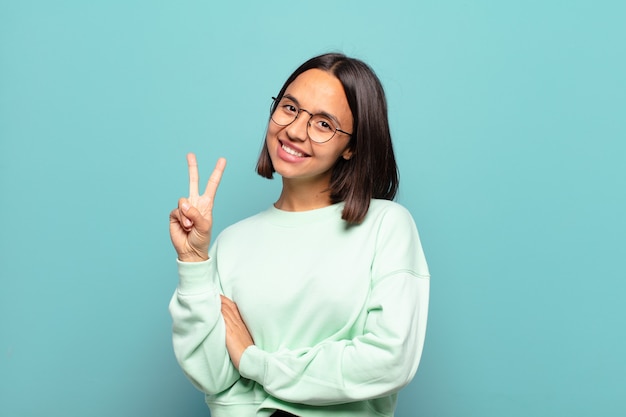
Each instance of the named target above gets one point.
<point>320,91</point>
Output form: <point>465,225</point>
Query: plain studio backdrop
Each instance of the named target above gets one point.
<point>508,119</point>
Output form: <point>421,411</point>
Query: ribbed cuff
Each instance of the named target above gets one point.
<point>194,277</point>
<point>253,363</point>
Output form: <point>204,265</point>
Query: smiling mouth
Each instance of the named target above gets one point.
<point>292,151</point>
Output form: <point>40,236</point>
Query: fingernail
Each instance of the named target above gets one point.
<point>185,206</point>
<point>187,222</point>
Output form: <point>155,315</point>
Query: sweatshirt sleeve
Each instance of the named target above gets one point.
<point>381,360</point>
<point>198,328</point>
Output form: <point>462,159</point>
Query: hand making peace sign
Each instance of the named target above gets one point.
<point>192,221</point>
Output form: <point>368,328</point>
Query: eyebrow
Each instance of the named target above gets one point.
<point>323,113</point>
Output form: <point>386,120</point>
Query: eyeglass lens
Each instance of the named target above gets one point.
<point>320,127</point>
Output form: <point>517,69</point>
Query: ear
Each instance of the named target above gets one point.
<point>347,154</point>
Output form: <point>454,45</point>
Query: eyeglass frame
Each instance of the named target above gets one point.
<point>274,107</point>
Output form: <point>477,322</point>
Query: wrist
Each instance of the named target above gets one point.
<point>192,258</point>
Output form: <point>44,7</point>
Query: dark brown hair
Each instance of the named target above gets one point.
<point>371,172</point>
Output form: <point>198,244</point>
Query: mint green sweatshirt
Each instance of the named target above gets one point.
<point>337,313</point>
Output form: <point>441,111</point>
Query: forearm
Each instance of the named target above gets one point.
<point>377,363</point>
<point>198,330</point>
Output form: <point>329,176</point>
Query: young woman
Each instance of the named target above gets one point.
<point>316,306</point>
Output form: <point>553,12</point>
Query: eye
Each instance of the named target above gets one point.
<point>288,107</point>
<point>322,124</point>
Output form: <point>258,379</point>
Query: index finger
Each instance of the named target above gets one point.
<point>215,178</point>
<point>193,175</point>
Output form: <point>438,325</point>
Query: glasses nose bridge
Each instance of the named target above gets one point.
<point>307,122</point>
<point>307,112</point>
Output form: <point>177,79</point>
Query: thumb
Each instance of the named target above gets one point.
<point>192,216</point>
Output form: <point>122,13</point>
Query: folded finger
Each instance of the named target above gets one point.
<point>183,207</point>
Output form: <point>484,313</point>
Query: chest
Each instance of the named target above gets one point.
<point>301,288</point>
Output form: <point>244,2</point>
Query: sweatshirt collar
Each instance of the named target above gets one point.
<point>299,218</point>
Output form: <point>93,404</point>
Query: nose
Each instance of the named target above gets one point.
<point>299,128</point>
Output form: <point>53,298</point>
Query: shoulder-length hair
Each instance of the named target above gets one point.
<point>371,172</point>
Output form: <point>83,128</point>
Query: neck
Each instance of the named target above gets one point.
<point>296,196</point>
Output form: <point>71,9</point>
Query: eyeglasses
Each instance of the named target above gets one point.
<point>320,127</point>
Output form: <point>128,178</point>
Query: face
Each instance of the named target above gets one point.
<point>294,156</point>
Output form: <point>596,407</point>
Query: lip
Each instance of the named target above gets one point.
<point>289,157</point>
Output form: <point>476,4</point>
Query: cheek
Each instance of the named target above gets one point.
<point>337,151</point>
<point>271,133</point>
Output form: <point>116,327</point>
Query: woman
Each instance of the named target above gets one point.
<point>316,306</point>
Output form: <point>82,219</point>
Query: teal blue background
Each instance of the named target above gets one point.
<point>509,126</point>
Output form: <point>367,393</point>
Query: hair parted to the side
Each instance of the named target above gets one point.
<point>371,172</point>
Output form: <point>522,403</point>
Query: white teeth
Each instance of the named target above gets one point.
<point>292,151</point>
